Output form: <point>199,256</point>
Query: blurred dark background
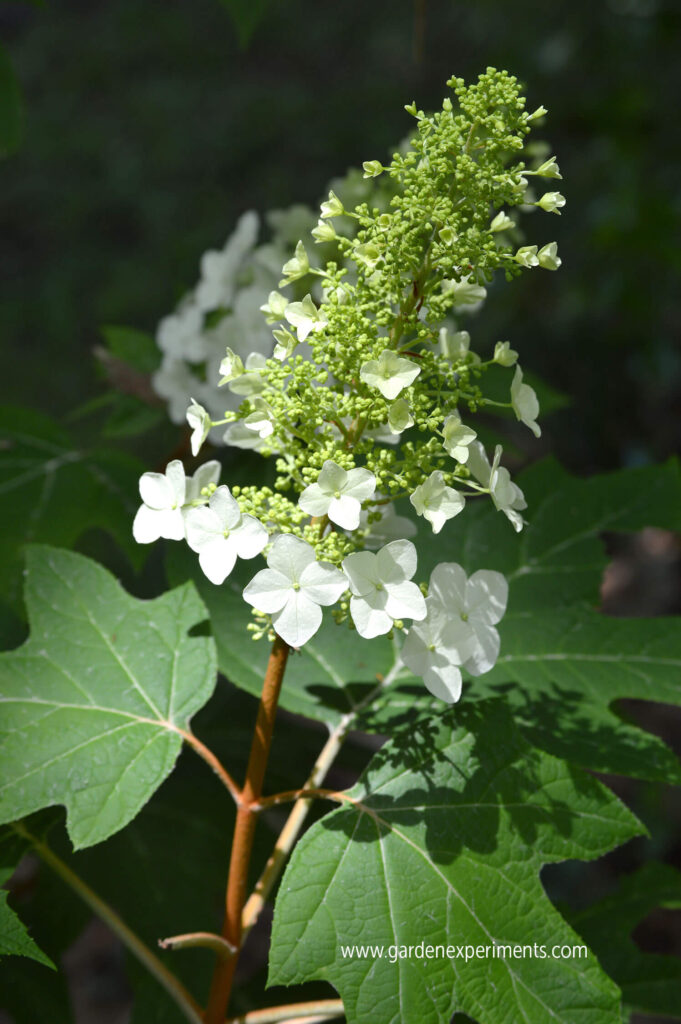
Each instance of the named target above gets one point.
<point>149,127</point>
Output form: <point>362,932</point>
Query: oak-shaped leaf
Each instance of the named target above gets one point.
<point>94,704</point>
<point>441,843</point>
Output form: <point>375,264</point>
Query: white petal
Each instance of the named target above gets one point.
<point>405,601</point>
<point>156,491</point>
<point>369,620</point>
<point>485,651</point>
<point>322,582</point>
<point>226,508</point>
<point>314,501</point>
<point>344,512</point>
<point>177,479</point>
<point>361,569</point>
<point>250,537</point>
<point>170,524</point>
<point>444,682</point>
<point>448,587</point>
<point>289,556</point>
<point>145,527</point>
<point>208,473</point>
<point>268,591</point>
<point>361,484</point>
<point>202,527</point>
<point>486,596</point>
<point>397,561</point>
<point>332,478</point>
<point>298,620</point>
<point>217,560</point>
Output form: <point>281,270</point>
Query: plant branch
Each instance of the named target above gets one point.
<point>192,939</point>
<point>173,986</point>
<point>212,761</point>
<point>296,819</point>
<point>310,1013</point>
<point>244,830</point>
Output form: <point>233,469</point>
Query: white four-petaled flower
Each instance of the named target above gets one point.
<point>160,515</point>
<point>381,588</point>
<point>390,374</point>
<point>457,437</point>
<point>338,493</point>
<point>431,650</point>
<point>506,495</point>
<point>292,589</point>
<point>200,422</point>
<point>218,532</point>
<point>436,502</point>
<point>475,606</point>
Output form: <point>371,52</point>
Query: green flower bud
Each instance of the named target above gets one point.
<point>447,236</point>
<point>504,355</point>
<point>372,168</point>
<point>502,222</point>
<point>526,256</point>
<point>297,267</point>
<point>549,169</point>
<point>332,207</point>
<point>324,232</point>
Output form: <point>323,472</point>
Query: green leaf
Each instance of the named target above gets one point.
<point>442,844</point>
<point>94,702</point>
<point>246,15</point>
<point>331,675</point>
<point>136,348</point>
<point>650,983</point>
<point>55,491</point>
<point>14,939</point>
<point>11,113</point>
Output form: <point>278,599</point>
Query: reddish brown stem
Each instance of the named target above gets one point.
<point>244,830</point>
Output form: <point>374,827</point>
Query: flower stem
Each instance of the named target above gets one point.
<point>173,986</point>
<point>244,830</point>
<point>320,1010</point>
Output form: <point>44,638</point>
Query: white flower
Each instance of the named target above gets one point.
<point>381,588</point>
<point>372,168</point>
<point>305,317</point>
<point>231,367</point>
<point>548,256</point>
<point>163,496</point>
<point>506,496</point>
<point>388,527</point>
<point>464,292</point>
<point>389,373</point>
<point>454,347</point>
<point>474,605</point>
<point>551,202</point>
<point>275,307</point>
<point>504,355</point>
<point>549,169</point>
<point>502,222</point>
<point>200,422</point>
<point>219,533</point>
<point>260,421</point>
<point>332,207</point>
<point>203,478</point>
<point>524,402</point>
<point>436,502</point>
<point>338,493</point>
<point>292,589</point>
<point>324,232</point>
<point>400,417</point>
<point>285,344</point>
<point>181,334</point>
<point>431,651</point>
<point>296,267</point>
<point>526,256</point>
<point>252,381</point>
<point>219,269</point>
<point>238,435</point>
<point>457,437</point>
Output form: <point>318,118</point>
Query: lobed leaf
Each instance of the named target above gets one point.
<point>95,702</point>
<point>441,842</point>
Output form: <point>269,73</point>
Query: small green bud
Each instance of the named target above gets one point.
<point>447,236</point>
<point>372,168</point>
<point>539,112</point>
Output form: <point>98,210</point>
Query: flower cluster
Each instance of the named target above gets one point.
<point>362,390</point>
